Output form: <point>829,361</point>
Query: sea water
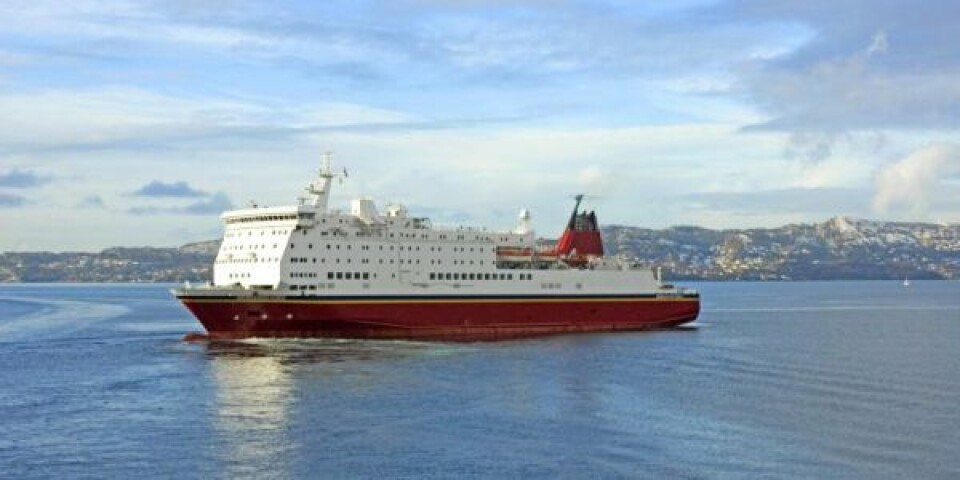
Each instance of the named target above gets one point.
<point>781,380</point>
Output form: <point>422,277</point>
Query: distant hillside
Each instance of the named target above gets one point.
<point>840,248</point>
<point>191,262</point>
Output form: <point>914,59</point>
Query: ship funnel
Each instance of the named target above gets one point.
<point>366,211</point>
<point>582,235</point>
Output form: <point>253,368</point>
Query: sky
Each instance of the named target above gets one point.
<point>138,122</point>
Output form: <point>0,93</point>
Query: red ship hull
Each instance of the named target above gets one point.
<point>436,318</point>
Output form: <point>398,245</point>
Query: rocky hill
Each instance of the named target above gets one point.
<point>192,262</point>
<point>840,248</point>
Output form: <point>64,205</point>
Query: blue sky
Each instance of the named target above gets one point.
<point>138,122</point>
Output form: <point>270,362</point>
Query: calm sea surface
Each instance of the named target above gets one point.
<point>802,380</point>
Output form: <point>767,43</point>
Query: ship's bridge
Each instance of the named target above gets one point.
<point>255,242</point>
<point>303,215</point>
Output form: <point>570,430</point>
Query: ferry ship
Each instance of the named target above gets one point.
<point>307,270</point>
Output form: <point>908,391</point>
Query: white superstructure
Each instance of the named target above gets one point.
<point>312,249</point>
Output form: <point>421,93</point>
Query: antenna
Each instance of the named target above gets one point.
<point>326,162</point>
<point>319,189</point>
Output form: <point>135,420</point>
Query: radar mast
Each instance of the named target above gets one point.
<point>319,189</point>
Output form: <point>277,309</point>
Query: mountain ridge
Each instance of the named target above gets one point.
<point>838,248</point>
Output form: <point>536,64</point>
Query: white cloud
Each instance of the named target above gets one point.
<point>595,180</point>
<point>132,119</point>
<point>914,182</point>
<point>879,44</point>
<point>870,65</point>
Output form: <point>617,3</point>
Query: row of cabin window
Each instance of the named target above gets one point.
<point>335,275</point>
<point>409,248</point>
<point>250,233</point>
<point>349,275</point>
<point>433,276</point>
<point>424,236</point>
<point>479,276</point>
<point>390,261</point>
<point>303,274</point>
<point>248,260</point>
<point>335,233</point>
<point>243,246</point>
<point>266,218</point>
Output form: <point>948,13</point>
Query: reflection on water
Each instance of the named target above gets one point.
<point>257,391</point>
<point>254,396</point>
<point>323,351</point>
